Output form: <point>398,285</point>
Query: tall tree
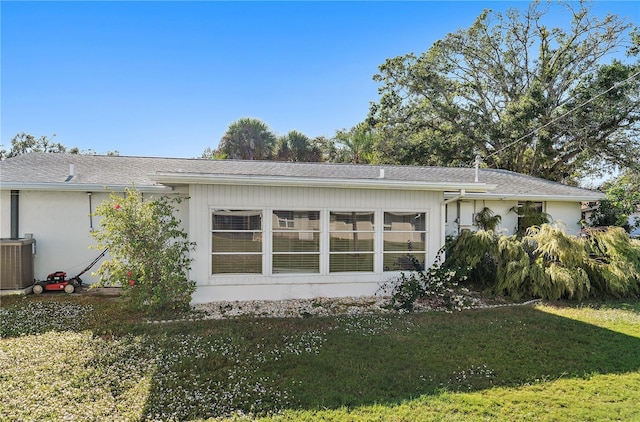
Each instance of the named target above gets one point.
<point>24,143</point>
<point>247,139</point>
<point>296,146</point>
<point>526,96</point>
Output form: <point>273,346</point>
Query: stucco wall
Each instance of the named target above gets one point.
<point>60,224</point>
<point>469,207</point>
<point>566,215</point>
<point>5,213</point>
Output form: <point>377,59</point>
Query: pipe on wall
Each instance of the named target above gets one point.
<point>15,214</point>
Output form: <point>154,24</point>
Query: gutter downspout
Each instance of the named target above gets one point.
<point>15,214</point>
<point>443,223</point>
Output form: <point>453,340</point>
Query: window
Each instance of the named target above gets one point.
<point>351,241</point>
<point>404,240</point>
<point>236,241</point>
<point>296,242</point>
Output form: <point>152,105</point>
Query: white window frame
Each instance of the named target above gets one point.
<point>261,232</point>
<point>375,233</point>
<point>271,253</point>
<point>420,253</point>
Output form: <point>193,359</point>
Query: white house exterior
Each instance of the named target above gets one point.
<point>272,230</point>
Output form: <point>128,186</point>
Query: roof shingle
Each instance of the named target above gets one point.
<point>43,168</point>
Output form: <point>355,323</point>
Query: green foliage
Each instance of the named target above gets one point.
<point>149,251</point>
<point>623,199</point>
<point>472,255</point>
<point>614,264</point>
<point>525,95</point>
<point>24,143</point>
<point>297,147</point>
<point>547,263</point>
<point>436,283</point>
<point>212,154</point>
<point>513,269</point>
<point>558,262</point>
<point>355,145</point>
<point>486,219</point>
<point>530,214</point>
<point>247,139</point>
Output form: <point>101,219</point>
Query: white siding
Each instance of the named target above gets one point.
<point>204,198</point>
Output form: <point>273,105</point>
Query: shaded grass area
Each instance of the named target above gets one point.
<point>549,362</point>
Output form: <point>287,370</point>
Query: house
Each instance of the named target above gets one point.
<point>272,230</point>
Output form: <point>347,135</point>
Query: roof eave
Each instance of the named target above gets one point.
<point>82,187</point>
<point>170,178</point>
<point>494,196</point>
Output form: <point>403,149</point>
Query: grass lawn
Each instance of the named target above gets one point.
<point>72,357</point>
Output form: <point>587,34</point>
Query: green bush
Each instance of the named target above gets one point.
<point>547,263</point>
<point>149,252</point>
<point>435,283</point>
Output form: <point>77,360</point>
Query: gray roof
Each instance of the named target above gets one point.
<point>90,172</point>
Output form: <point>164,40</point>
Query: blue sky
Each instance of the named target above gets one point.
<point>167,78</point>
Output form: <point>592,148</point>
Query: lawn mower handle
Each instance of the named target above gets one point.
<point>92,264</point>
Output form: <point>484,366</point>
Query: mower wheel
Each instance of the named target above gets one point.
<point>69,288</point>
<point>37,289</point>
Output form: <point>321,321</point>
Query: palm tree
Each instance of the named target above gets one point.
<point>247,139</point>
<point>357,142</point>
<point>296,146</point>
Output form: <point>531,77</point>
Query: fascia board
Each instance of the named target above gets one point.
<point>196,178</point>
<point>528,197</point>
<point>81,187</point>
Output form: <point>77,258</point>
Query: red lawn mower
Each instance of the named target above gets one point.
<point>57,281</point>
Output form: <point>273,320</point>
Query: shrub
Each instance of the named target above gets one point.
<point>435,283</point>
<point>614,264</point>
<point>486,219</point>
<point>149,251</point>
<point>547,263</point>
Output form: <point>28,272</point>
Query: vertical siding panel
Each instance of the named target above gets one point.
<point>205,197</point>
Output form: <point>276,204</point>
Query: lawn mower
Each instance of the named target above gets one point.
<point>57,281</point>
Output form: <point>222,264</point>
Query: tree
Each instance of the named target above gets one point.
<point>528,97</point>
<point>623,199</point>
<point>296,146</point>
<point>247,139</point>
<point>149,251</point>
<point>356,144</point>
<point>24,143</point>
<point>212,154</point>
